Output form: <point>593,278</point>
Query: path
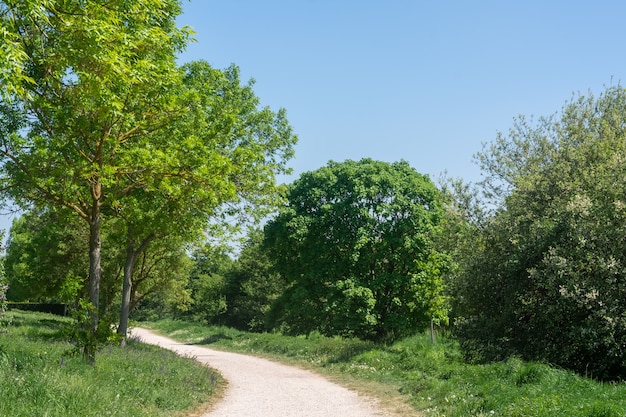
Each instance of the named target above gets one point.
<point>261,388</point>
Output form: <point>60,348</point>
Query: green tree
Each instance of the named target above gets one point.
<point>226,165</point>
<point>87,80</point>
<point>463,223</point>
<point>161,274</point>
<point>355,246</point>
<point>45,261</point>
<point>206,283</point>
<point>547,281</point>
<point>251,286</point>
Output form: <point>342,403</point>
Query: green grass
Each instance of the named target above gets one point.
<point>40,377</point>
<point>432,378</point>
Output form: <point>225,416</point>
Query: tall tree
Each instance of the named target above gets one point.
<point>355,245</point>
<point>89,78</point>
<point>230,151</point>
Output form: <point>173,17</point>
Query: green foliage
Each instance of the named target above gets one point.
<point>546,281</point>
<point>46,261</point>
<point>251,287</point>
<point>77,114</point>
<point>87,80</point>
<point>355,245</point>
<point>46,258</point>
<point>81,335</point>
<point>160,269</point>
<point>38,377</point>
<point>162,273</point>
<point>433,377</point>
<point>206,285</point>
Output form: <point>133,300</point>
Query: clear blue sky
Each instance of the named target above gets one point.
<point>424,81</point>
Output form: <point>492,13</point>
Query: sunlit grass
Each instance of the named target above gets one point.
<point>40,377</point>
<point>431,377</point>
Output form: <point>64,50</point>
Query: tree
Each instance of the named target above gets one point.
<point>231,151</point>
<point>45,261</point>
<point>547,282</point>
<point>355,246</point>
<point>463,223</point>
<point>88,80</point>
<point>161,272</point>
<point>206,283</point>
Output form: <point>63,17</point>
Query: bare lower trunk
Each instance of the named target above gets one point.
<point>127,288</point>
<point>95,276</point>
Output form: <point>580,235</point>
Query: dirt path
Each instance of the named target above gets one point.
<point>261,388</point>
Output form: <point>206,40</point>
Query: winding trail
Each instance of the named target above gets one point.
<point>261,388</point>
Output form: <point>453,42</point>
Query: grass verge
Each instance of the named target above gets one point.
<point>39,376</point>
<point>432,378</point>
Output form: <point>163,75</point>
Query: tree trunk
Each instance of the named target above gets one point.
<point>95,276</point>
<point>127,287</point>
<point>432,331</point>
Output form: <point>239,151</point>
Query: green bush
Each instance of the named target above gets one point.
<point>546,280</point>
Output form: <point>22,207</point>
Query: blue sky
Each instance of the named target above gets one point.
<point>427,82</point>
<point>424,81</point>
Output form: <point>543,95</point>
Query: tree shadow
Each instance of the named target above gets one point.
<point>347,353</point>
<point>49,330</point>
<point>214,338</point>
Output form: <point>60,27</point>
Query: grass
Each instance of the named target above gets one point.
<point>39,376</point>
<point>433,379</point>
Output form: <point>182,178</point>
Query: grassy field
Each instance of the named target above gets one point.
<point>431,378</point>
<point>40,377</point>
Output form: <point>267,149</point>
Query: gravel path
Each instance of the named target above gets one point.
<point>261,388</point>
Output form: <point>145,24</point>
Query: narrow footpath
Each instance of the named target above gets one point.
<point>261,388</point>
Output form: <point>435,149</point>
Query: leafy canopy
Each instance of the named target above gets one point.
<point>355,245</point>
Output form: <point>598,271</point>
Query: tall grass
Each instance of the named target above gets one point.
<point>40,377</point>
<point>431,377</point>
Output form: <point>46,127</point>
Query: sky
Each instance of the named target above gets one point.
<point>425,81</point>
<point>428,82</point>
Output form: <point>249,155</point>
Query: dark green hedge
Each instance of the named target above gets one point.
<point>53,308</point>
